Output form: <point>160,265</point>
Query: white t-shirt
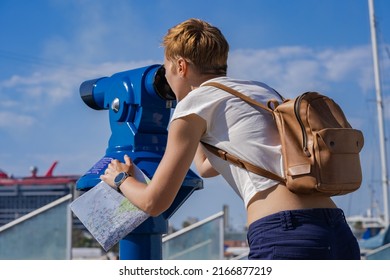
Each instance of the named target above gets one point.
<point>238,128</point>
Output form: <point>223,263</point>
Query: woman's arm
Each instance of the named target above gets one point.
<point>183,139</point>
<point>203,165</point>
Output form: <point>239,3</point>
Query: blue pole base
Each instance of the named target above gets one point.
<point>145,242</point>
<point>141,247</point>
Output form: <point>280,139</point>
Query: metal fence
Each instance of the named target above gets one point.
<point>44,234</point>
<point>200,241</point>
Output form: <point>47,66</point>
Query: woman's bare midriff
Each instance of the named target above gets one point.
<point>279,198</point>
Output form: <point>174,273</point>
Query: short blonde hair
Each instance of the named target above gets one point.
<point>200,43</point>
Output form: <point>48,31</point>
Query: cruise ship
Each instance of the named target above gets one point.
<point>22,195</point>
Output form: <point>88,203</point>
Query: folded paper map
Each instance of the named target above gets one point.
<point>107,214</point>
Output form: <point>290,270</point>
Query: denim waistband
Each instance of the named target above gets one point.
<point>292,218</point>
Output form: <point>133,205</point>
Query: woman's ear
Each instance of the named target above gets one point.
<point>182,67</point>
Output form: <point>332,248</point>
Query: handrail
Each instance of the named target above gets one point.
<point>191,227</point>
<point>36,212</point>
<point>377,250</point>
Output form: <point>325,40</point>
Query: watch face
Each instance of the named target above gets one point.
<point>119,177</point>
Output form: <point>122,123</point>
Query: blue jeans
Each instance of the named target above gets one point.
<point>307,234</point>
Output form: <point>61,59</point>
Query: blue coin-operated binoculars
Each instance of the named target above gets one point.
<point>139,103</point>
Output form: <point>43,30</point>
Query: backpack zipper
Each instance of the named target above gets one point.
<point>296,111</point>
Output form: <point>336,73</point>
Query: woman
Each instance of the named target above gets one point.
<point>282,225</point>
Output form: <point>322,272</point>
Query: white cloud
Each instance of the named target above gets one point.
<point>295,69</point>
<point>12,120</point>
<point>354,63</point>
<point>53,86</point>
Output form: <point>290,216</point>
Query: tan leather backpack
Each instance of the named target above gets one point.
<point>320,149</point>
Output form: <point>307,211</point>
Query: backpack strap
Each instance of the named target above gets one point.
<point>247,98</point>
<point>233,159</point>
<point>242,163</point>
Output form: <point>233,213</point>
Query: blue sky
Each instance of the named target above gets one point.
<point>49,47</point>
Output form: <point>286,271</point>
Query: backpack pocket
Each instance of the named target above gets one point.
<point>337,155</point>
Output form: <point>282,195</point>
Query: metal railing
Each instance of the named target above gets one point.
<point>381,253</point>
<point>41,234</point>
<point>201,240</point>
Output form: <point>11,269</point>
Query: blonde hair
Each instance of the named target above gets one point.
<point>199,43</point>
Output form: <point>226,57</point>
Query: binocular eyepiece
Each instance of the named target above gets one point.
<point>150,79</point>
<point>161,86</point>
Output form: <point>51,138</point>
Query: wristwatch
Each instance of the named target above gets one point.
<point>119,179</point>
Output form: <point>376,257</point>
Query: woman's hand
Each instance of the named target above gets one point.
<point>116,167</point>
